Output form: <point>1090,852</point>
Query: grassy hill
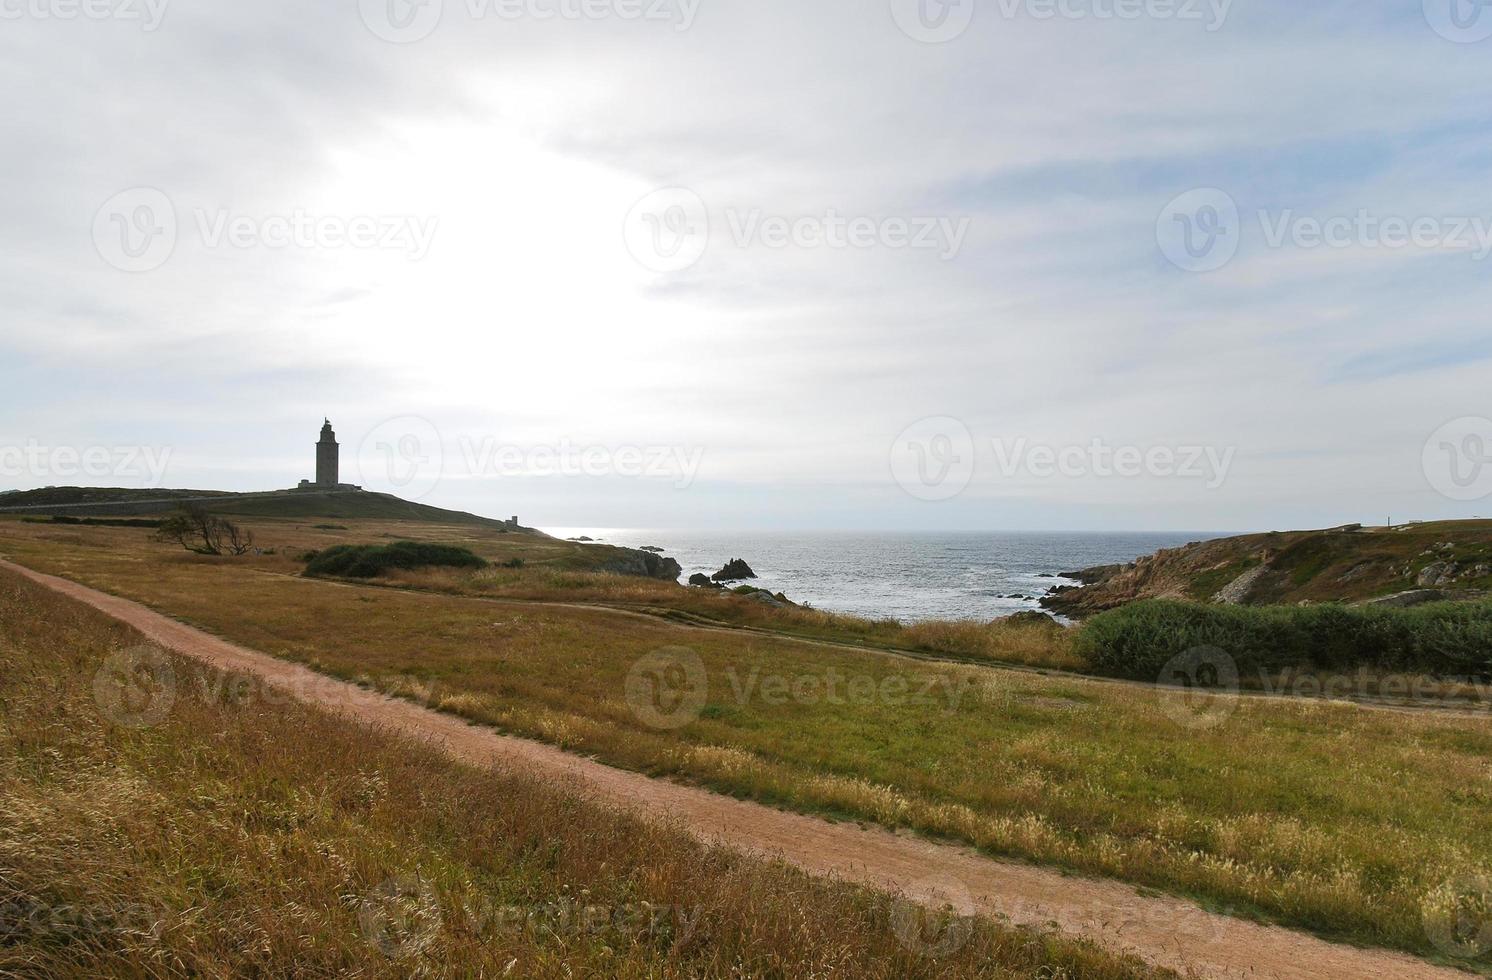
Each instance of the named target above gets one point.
<point>1415,562</point>
<point>350,504</point>
<point>21,501</point>
<point>381,514</point>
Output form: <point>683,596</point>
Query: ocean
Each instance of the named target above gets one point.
<point>906,575</point>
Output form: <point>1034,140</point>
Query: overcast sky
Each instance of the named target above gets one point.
<point>758,263</point>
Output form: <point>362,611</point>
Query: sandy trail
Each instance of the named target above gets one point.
<point>1165,931</point>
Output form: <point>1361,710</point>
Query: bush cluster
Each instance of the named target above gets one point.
<point>370,560</point>
<point>91,521</point>
<point>1442,638</point>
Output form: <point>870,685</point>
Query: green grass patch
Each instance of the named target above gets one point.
<point>1441,638</point>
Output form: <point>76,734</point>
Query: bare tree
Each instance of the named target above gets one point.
<point>202,533</point>
<point>237,539</point>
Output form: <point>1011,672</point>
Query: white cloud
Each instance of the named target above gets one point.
<point>525,144</point>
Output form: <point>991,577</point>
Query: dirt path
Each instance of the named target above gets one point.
<point>1165,931</point>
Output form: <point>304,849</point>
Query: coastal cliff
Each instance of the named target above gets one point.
<point>1403,565</point>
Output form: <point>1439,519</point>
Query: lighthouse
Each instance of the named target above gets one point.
<point>327,456</point>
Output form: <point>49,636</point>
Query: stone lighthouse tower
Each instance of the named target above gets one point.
<point>327,455</point>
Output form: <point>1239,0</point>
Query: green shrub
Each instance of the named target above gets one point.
<point>91,521</point>
<point>369,560</point>
<point>1442,638</point>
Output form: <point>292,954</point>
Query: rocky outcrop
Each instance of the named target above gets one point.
<point>735,570</point>
<point>1097,574</point>
<point>1437,573</point>
<point>1445,573</point>
<point>1344,564</point>
<point>1401,600</point>
<point>777,601</point>
<point>663,567</point>
<point>643,564</point>
<point>1031,617</point>
<point>703,581</point>
<point>1236,592</point>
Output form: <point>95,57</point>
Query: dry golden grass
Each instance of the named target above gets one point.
<point>248,837</point>
<point>561,571</point>
<point>1315,814</point>
<point>994,641</point>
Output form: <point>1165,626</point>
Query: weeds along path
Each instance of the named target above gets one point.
<point>1164,931</point>
<point>702,624</point>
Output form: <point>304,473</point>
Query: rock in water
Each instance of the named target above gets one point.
<point>734,571</point>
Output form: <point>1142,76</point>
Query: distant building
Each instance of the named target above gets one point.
<point>328,463</point>
<point>327,456</point>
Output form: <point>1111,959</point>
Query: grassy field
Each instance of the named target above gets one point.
<point>1315,814</point>
<point>993,641</point>
<point>551,570</point>
<point>249,837</point>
